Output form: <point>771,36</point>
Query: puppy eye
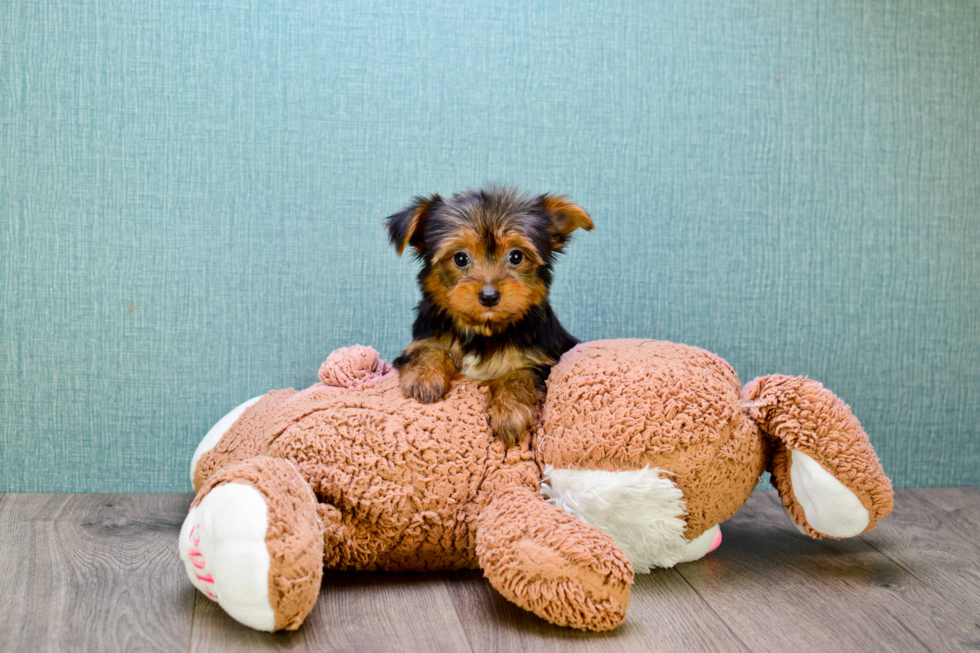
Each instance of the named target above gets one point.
<point>515,257</point>
<point>461,260</point>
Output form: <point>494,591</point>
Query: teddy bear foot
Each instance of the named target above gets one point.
<point>222,544</point>
<point>253,542</point>
<point>829,507</point>
<point>822,464</point>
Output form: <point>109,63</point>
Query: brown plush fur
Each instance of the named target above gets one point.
<point>541,558</point>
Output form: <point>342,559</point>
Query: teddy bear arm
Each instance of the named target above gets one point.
<point>822,464</point>
<point>552,564</point>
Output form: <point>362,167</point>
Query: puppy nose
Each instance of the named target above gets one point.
<point>489,297</point>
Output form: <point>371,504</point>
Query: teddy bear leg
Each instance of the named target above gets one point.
<point>253,543</point>
<point>822,464</point>
<point>552,564</point>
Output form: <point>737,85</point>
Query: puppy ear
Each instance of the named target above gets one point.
<point>564,218</point>
<point>407,227</point>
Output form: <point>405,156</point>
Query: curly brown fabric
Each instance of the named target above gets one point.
<point>799,413</point>
<point>403,480</point>
<point>246,438</point>
<point>552,564</point>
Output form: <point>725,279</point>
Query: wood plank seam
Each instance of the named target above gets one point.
<point>901,623</point>
<point>459,617</point>
<point>711,608</point>
<point>190,637</point>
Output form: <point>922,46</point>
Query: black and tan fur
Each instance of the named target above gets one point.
<point>475,248</point>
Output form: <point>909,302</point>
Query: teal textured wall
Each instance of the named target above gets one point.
<point>191,197</point>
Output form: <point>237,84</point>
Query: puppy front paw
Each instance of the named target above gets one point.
<point>425,383</point>
<point>510,420</point>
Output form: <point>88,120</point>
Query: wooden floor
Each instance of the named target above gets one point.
<point>101,573</point>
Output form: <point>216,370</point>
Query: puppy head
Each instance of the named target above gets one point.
<point>487,254</point>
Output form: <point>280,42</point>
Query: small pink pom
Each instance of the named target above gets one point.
<point>716,543</point>
<point>353,367</point>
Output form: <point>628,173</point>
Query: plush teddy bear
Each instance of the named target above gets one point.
<point>642,449</point>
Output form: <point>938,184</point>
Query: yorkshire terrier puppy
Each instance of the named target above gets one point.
<point>487,259</point>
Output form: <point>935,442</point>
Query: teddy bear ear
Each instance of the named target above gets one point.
<point>407,227</point>
<point>564,218</point>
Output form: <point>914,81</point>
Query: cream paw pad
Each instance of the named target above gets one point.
<point>222,544</point>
